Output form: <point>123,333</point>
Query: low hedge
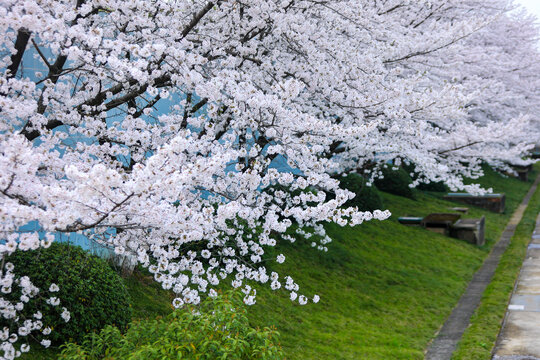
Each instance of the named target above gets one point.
<point>217,329</point>
<point>367,197</point>
<point>395,182</point>
<point>90,290</point>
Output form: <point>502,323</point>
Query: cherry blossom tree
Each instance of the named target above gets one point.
<point>155,126</point>
<point>445,56</point>
<point>498,66</point>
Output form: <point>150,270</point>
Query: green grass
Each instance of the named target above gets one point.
<point>385,288</point>
<point>480,337</point>
<point>148,298</point>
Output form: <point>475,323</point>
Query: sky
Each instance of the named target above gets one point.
<point>533,6</point>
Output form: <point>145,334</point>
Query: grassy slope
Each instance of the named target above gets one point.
<point>385,288</point>
<point>480,337</point>
<point>148,299</point>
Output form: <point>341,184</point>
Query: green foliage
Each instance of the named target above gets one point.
<point>395,182</point>
<point>148,298</point>
<point>217,329</point>
<point>367,197</point>
<point>438,186</point>
<point>91,291</point>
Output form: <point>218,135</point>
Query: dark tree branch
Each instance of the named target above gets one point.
<point>391,9</point>
<point>23,36</point>
<point>41,54</point>
<point>459,147</point>
<point>55,70</point>
<point>197,18</point>
<point>80,226</point>
<point>150,104</point>
<point>191,109</point>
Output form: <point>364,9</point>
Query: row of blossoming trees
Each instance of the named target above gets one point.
<point>155,125</point>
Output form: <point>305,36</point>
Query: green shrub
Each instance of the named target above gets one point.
<point>217,329</point>
<point>438,186</point>
<point>367,197</point>
<point>90,290</point>
<point>395,182</point>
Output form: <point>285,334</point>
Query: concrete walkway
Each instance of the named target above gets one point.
<point>446,341</point>
<point>520,334</point>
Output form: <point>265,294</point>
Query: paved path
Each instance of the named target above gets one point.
<point>520,334</point>
<point>446,341</point>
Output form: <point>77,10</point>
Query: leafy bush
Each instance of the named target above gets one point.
<point>395,182</point>
<point>217,329</point>
<point>438,186</point>
<point>90,290</point>
<point>367,197</point>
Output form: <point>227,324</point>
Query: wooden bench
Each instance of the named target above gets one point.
<point>522,171</point>
<point>410,220</point>
<point>470,230</point>
<point>463,210</point>
<point>492,202</point>
<point>440,222</point>
<point>450,224</point>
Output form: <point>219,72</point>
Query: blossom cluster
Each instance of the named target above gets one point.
<point>16,327</point>
<point>18,292</point>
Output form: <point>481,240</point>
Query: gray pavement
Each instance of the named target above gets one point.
<point>519,338</point>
